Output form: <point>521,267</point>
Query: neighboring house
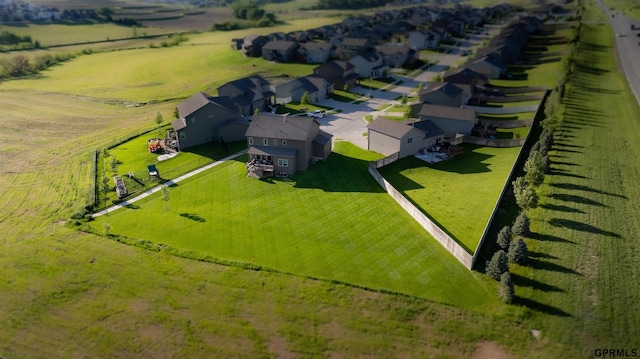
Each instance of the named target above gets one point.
<point>420,40</point>
<point>396,54</point>
<point>314,52</point>
<point>279,50</point>
<point>339,73</point>
<point>252,45</point>
<point>292,91</point>
<point>351,46</point>
<point>204,119</point>
<point>283,145</point>
<point>490,64</point>
<point>451,120</point>
<point>248,94</point>
<point>388,137</point>
<point>369,65</point>
<point>467,76</point>
<point>445,94</point>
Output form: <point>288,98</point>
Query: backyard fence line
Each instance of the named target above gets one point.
<point>495,142</point>
<point>502,110</point>
<point>387,160</point>
<point>509,99</point>
<point>517,90</point>
<point>506,185</point>
<point>508,123</point>
<point>441,236</point>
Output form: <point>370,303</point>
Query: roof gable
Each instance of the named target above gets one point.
<point>281,126</point>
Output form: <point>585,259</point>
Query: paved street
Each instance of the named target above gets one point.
<point>628,45</point>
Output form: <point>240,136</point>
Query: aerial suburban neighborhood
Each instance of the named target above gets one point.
<point>293,179</point>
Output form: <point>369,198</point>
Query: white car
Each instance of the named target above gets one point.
<point>317,114</point>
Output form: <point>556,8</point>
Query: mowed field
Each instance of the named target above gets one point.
<point>71,294</point>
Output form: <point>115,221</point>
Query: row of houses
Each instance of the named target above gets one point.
<point>440,114</point>
<point>282,144</point>
<point>371,35</point>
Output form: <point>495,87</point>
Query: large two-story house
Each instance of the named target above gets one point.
<point>281,145</point>
<point>248,94</point>
<point>205,118</point>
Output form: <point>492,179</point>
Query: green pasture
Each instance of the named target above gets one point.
<point>164,74</point>
<point>585,245</point>
<point>56,34</point>
<point>458,194</point>
<point>318,224</point>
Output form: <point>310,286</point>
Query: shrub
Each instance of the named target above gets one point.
<point>534,169</point>
<point>306,99</point>
<point>518,251</point>
<point>507,291</point>
<point>498,264</point>
<point>504,237</point>
<point>521,225</point>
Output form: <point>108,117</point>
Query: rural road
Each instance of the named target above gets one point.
<point>628,45</point>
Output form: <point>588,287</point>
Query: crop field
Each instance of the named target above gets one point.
<point>331,222</point>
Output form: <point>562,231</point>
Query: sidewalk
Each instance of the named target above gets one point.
<point>168,183</point>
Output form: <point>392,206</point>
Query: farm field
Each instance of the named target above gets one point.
<point>71,294</point>
<point>176,75</point>
<point>442,190</point>
<point>331,222</point>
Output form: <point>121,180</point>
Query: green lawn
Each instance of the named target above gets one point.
<point>508,133</point>
<point>458,194</point>
<point>319,224</point>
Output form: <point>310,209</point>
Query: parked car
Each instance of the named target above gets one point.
<point>317,114</point>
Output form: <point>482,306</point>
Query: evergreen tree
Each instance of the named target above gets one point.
<point>504,238</point>
<point>521,225</point>
<point>498,264</point>
<point>506,288</point>
<point>518,251</point>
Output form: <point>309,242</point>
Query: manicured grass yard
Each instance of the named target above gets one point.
<point>332,221</point>
<point>459,193</point>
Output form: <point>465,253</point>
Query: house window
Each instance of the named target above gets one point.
<point>410,140</point>
<point>265,141</point>
<point>251,140</point>
<point>283,162</point>
<point>275,142</point>
<point>284,142</point>
<point>183,136</point>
